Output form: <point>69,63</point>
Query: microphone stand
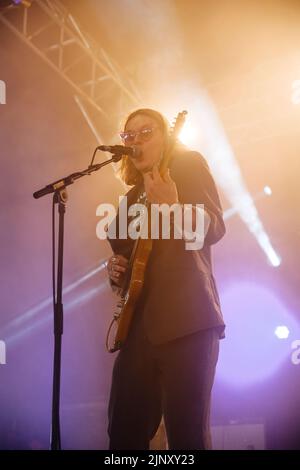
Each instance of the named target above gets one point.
<point>60,197</point>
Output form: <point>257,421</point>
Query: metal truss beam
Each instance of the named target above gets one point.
<point>55,36</point>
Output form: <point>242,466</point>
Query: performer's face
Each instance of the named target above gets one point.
<point>150,141</point>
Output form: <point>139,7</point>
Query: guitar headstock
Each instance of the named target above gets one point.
<point>175,130</point>
<point>177,125</point>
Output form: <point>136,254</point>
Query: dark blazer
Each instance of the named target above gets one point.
<point>180,295</point>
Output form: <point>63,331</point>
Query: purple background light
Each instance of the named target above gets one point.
<point>252,352</point>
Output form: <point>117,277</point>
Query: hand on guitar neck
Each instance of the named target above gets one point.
<point>116,267</point>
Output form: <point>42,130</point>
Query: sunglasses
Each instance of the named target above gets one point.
<point>145,135</point>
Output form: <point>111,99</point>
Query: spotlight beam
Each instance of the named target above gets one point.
<point>213,143</point>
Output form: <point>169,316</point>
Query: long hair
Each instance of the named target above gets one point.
<point>127,171</point>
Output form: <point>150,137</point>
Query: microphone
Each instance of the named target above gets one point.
<point>133,152</point>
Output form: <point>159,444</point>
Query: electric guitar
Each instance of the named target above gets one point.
<point>134,277</point>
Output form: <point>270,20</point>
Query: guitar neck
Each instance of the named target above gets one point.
<point>163,167</point>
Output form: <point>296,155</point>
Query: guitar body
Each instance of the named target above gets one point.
<point>126,306</point>
<point>138,263</point>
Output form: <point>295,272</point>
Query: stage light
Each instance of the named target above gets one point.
<point>204,126</point>
<point>251,352</point>
<point>76,302</point>
<point>267,190</point>
<point>282,332</point>
<point>25,3</point>
<point>188,135</point>
<point>32,318</point>
<point>273,257</point>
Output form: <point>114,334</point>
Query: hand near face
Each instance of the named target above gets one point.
<point>160,189</point>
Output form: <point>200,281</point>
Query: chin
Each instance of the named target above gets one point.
<point>142,167</point>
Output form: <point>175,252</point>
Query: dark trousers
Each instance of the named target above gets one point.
<point>174,379</point>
